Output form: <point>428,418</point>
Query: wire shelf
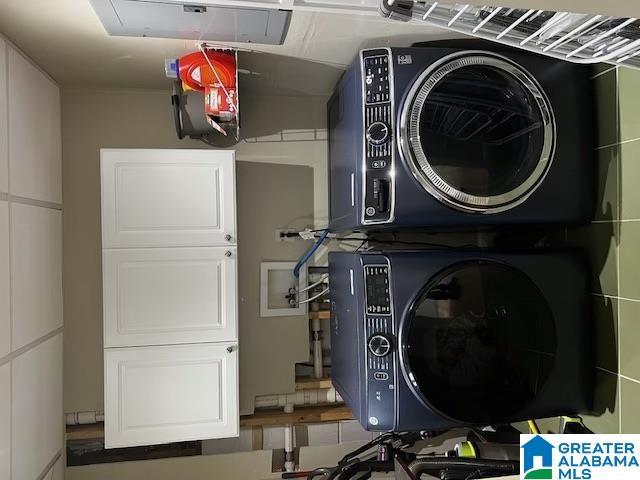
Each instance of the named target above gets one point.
<point>576,37</point>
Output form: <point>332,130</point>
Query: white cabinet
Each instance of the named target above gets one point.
<point>35,139</point>
<point>170,393</point>
<point>4,119</point>
<point>5,421</point>
<point>169,263</point>
<point>36,409</point>
<point>36,266</point>
<point>5,282</point>
<point>162,296</point>
<point>154,198</point>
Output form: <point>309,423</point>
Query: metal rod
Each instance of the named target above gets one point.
<point>572,33</point>
<point>608,47</point>
<point>627,57</point>
<point>536,15</point>
<point>550,23</point>
<point>431,9</point>
<point>482,23</point>
<point>516,23</point>
<point>606,34</point>
<point>620,51</point>
<point>462,10</point>
<point>623,50</point>
<point>617,44</point>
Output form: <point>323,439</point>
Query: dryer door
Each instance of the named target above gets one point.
<point>477,132</point>
<point>480,342</point>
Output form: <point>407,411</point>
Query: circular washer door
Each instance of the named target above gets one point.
<point>479,343</point>
<point>477,132</point>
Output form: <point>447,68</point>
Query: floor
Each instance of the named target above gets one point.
<point>612,241</point>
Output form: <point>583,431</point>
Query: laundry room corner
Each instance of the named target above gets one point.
<point>319,239</point>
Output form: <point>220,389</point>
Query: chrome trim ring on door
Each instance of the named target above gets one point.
<point>414,155</point>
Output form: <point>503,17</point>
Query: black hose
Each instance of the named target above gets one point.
<point>436,463</point>
<point>482,474</point>
<point>318,472</point>
<point>177,120</point>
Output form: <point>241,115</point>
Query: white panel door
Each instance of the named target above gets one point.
<point>160,296</point>
<point>36,273</point>
<point>165,394</point>
<point>5,311</point>
<point>35,138</point>
<point>5,421</point>
<point>4,118</point>
<point>168,198</point>
<point>36,417</point>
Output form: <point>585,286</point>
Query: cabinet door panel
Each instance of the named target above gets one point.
<point>36,272</point>
<point>168,394</point>
<point>36,409</point>
<point>35,134</point>
<point>162,296</point>
<point>4,120</point>
<point>166,198</point>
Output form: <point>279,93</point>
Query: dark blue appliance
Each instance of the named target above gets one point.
<point>437,339</point>
<point>437,136</point>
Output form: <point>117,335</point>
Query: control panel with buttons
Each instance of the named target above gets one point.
<point>376,70</point>
<point>380,347</point>
<point>377,87</point>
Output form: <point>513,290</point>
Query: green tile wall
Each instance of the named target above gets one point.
<point>629,103</point>
<point>613,244</point>
<point>606,404</point>
<point>606,331</point>
<point>629,337</point>
<point>630,392</point>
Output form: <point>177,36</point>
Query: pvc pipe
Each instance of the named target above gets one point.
<point>83,418</point>
<point>302,397</point>
<point>289,441</point>
<point>317,348</point>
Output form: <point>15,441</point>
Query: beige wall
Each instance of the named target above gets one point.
<point>281,180</point>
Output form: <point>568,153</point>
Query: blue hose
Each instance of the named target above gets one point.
<point>305,258</point>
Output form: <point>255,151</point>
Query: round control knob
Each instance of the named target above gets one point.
<point>377,133</point>
<point>379,345</point>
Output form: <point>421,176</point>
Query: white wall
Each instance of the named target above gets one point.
<point>31,420</point>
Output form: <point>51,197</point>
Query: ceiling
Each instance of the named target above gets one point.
<point>66,39</point>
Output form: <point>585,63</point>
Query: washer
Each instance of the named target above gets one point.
<point>432,340</point>
<point>437,136</point>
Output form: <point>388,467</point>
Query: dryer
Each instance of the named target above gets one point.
<point>436,136</point>
<point>437,339</point>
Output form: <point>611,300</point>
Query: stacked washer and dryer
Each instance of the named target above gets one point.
<point>443,136</point>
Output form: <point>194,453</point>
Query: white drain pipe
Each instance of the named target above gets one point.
<point>317,348</point>
<point>83,418</point>
<point>289,443</point>
<point>302,397</point>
